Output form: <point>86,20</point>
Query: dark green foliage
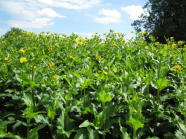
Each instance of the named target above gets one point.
<point>166,19</point>
<point>17,31</point>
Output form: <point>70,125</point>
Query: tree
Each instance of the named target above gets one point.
<point>17,31</point>
<point>163,19</point>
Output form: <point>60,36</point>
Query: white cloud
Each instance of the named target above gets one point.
<point>37,23</point>
<point>134,11</point>
<point>111,16</point>
<point>28,14</point>
<point>84,34</point>
<point>71,4</point>
<point>48,13</point>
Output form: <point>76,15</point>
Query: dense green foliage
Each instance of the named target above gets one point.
<point>165,18</point>
<point>16,31</point>
<point>58,86</point>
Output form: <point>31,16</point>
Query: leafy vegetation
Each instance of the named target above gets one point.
<point>58,86</point>
<point>163,18</point>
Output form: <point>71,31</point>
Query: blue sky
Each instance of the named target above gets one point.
<point>83,17</point>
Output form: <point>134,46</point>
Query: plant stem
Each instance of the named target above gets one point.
<point>157,111</point>
<point>33,96</point>
<point>28,131</point>
<point>134,134</point>
<point>103,105</point>
<point>65,121</point>
<point>84,97</point>
<point>32,88</point>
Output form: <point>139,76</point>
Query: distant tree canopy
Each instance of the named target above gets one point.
<point>17,31</point>
<point>165,18</point>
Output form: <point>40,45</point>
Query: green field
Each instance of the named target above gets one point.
<point>58,86</point>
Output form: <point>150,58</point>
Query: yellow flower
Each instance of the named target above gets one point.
<point>157,43</point>
<point>180,42</point>
<point>72,57</point>
<point>104,33</point>
<point>33,67</point>
<point>22,59</point>
<point>108,39</point>
<point>105,72</point>
<point>6,59</point>
<point>21,50</point>
<point>55,76</point>
<point>171,38</point>
<point>43,51</point>
<point>79,41</point>
<point>173,45</point>
<point>96,32</point>
<point>177,68</point>
<point>143,32</point>
<point>118,33</point>
<point>55,44</point>
<point>111,30</point>
<point>115,70</point>
<point>146,47</point>
<point>122,39</point>
<point>3,42</point>
<point>19,36</point>
<point>29,48</point>
<point>131,31</point>
<point>27,32</point>
<point>50,49</point>
<point>113,43</point>
<point>52,64</point>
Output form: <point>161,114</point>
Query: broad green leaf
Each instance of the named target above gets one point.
<point>33,132</point>
<point>68,81</point>
<point>179,135</point>
<point>32,115</point>
<point>153,138</point>
<point>10,135</point>
<point>92,133</point>
<point>60,120</point>
<point>18,123</point>
<point>34,62</point>
<point>86,123</point>
<point>63,132</point>
<point>182,127</point>
<point>51,112</point>
<point>68,96</point>
<point>25,78</point>
<point>105,114</point>
<point>41,118</point>
<point>3,124</point>
<point>86,82</point>
<point>82,134</point>
<point>104,97</point>
<point>162,83</point>
<point>124,135</point>
<point>32,84</point>
<point>135,124</point>
<point>27,98</point>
